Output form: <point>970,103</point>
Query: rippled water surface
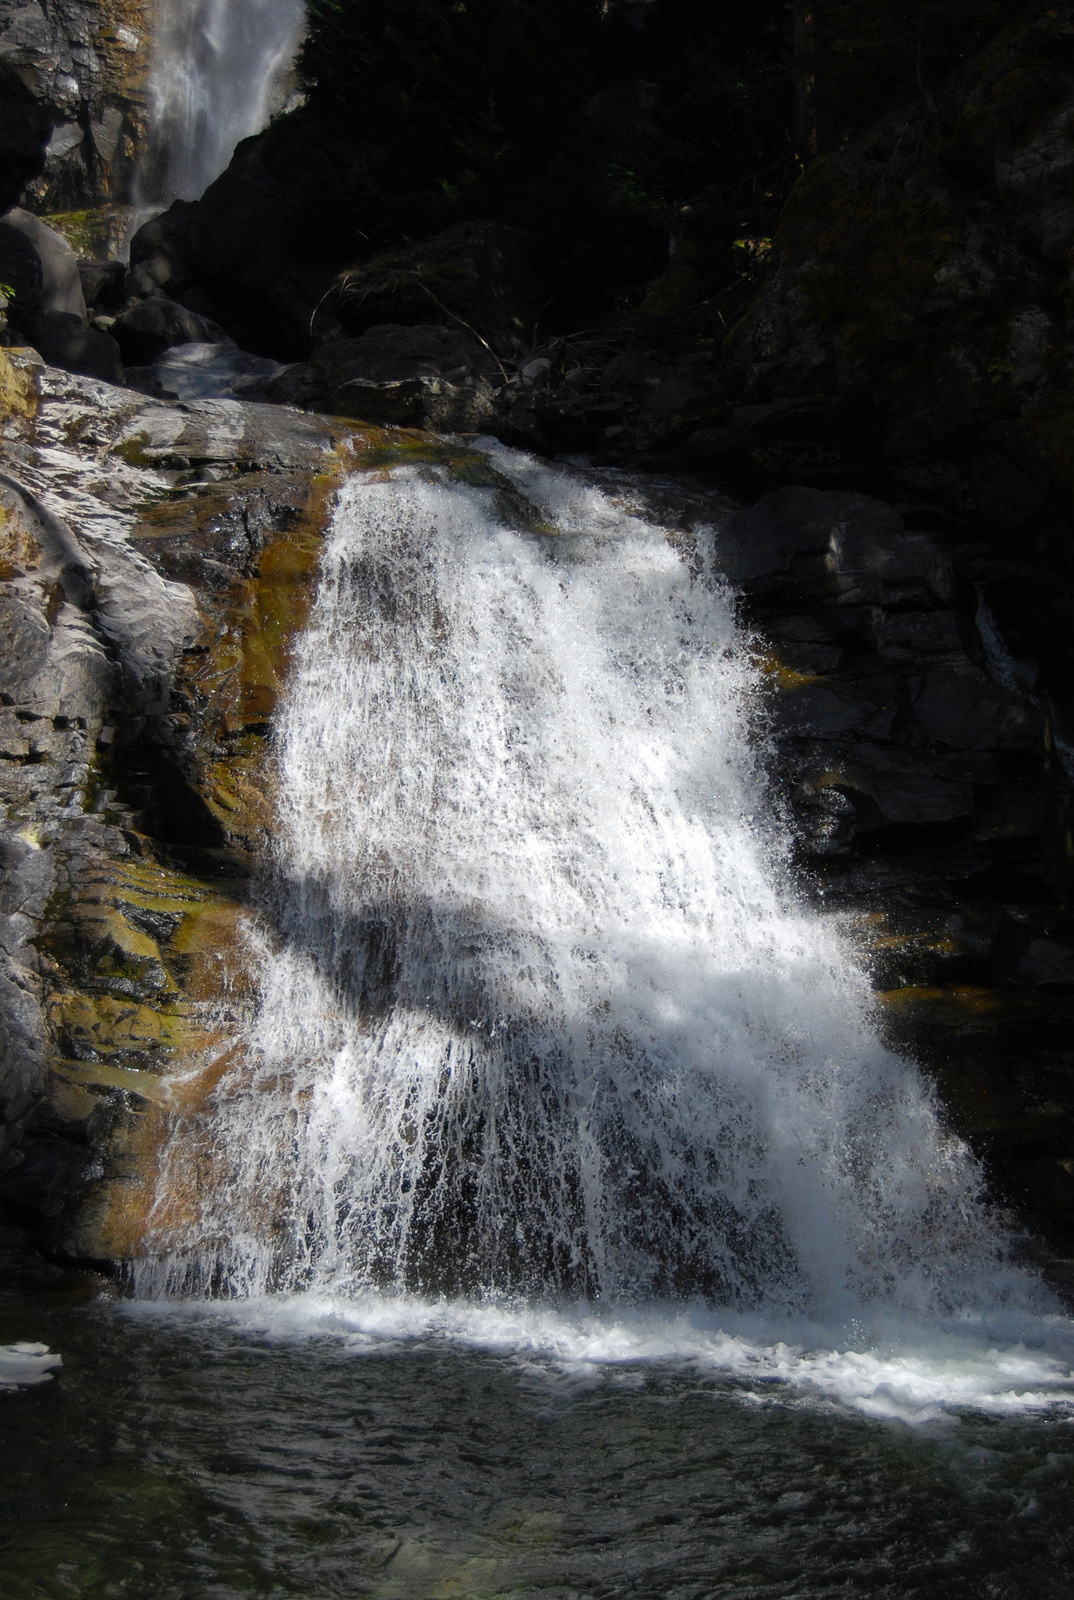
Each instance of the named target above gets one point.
<point>412,1452</point>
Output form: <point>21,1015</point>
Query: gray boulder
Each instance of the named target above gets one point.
<point>48,310</point>
<point>150,326</point>
<point>40,266</point>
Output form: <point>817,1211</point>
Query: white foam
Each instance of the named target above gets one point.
<point>24,1365</point>
<point>890,1370</point>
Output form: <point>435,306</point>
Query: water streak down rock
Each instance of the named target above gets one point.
<point>217,72</point>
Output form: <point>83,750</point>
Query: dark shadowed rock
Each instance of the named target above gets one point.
<point>425,376</point>
<point>149,327</point>
<point>40,266</point>
<point>65,341</point>
<point>103,284</point>
<point>236,257</point>
<point>25,130</point>
<point>959,707</point>
<point>240,257</point>
<point>476,276</point>
<point>819,541</point>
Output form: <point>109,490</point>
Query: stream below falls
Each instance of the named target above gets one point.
<point>562,1226</point>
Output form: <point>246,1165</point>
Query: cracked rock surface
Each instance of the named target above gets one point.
<point>142,547</point>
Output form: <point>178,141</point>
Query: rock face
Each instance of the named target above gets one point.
<point>25,130</point>
<point>83,64</point>
<point>154,561</point>
<point>914,336</point>
<point>930,804</point>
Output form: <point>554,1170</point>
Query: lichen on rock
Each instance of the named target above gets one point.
<point>155,562</point>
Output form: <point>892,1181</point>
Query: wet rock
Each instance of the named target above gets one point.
<point>154,560</point>
<point>912,787</point>
<point>814,711</point>
<point>195,371</point>
<point>74,75</point>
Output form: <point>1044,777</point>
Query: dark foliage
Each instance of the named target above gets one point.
<point>604,127</point>
<point>872,54</point>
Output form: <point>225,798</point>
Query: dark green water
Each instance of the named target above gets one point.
<point>178,1460</point>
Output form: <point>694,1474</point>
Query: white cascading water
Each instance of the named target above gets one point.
<point>539,1017</point>
<point>215,74</point>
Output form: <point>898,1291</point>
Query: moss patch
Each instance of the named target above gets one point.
<point>19,392</point>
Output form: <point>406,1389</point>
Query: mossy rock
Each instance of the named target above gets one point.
<point>19,391</point>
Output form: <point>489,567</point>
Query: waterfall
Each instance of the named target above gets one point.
<point>215,77</point>
<point>540,1014</point>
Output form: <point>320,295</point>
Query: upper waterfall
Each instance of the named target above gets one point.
<point>215,76</point>
<point>539,1013</point>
